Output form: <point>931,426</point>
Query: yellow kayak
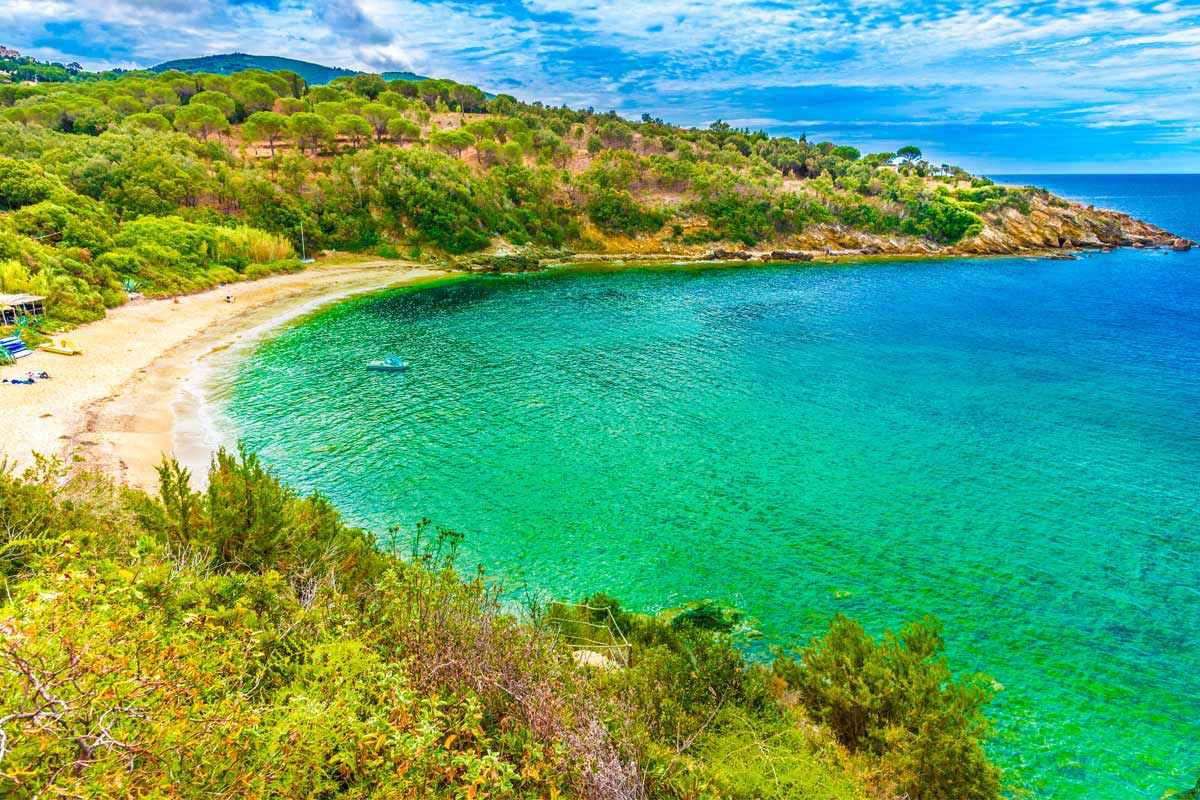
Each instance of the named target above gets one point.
<point>62,346</point>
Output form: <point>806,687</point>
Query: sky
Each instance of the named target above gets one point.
<point>997,86</point>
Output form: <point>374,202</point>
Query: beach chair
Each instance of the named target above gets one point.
<point>15,347</point>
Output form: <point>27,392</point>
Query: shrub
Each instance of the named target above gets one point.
<point>23,183</point>
<point>941,220</point>
<point>258,246</point>
<point>615,211</point>
<point>249,521</point>
<point>897,699</point>
<point>751,758</point>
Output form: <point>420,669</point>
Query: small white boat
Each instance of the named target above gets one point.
<point>388,364</point>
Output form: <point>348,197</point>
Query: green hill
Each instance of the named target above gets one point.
<point>229,63</point>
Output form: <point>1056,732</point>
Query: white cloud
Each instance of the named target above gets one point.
<point>1105,64</point>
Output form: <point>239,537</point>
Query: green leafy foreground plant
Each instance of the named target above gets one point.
<point>244,642</point>
<point>897,699</point>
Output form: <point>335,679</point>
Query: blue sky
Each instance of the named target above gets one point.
<point>993,85</point>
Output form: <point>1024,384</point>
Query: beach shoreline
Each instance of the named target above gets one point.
<point>138,392</point>
<point>116,408</point>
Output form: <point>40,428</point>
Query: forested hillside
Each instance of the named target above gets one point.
<point>172,182</point>
<point>231,63</point>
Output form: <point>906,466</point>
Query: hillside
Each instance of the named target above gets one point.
<point>171,183</point>
<point>229,63</point>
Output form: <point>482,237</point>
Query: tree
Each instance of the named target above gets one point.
<point>469,99</point>
<point>354,127</point>
<point>431,91</point>
<point>218,100</point>
<point>394,100</point>
<point>481,129</point>
<point>311,130</point>
<point>295,83</point>
<point>368,85</point>
<point>267,125</point>
<point>154,122</point>
<point>254,96</point>
<point>403,88</point>
<point>503,104</point>
<point>401,129</point>
<point>487,151</point>
<point>200,119</point>
<point>123,105</point>
<point>909,153</point>
<point>290,105</point>
<point>378,115</point>
<point>550,146</point>
<point>452,140</point>
<point>23,183</point>
<point>511,153</point>
<point>898,699</point>
<point>720,130</point>
<point>325,94</point>
<point>594,145</point>
<point>329,109</point>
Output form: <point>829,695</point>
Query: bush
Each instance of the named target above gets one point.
<point>23,183</point>
<point>258,246</point>
<point>750,758</point>
<point>615,211</point>
<point>431,195</point>
<point>897,699</point>
<point>941,220</point>
<point>249,521</point>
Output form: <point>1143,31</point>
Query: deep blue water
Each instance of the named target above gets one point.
<point>1011,444</point>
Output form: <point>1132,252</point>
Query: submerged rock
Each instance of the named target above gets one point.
<point>706,614</point>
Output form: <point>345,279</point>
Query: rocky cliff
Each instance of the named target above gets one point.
<point>1049,226</point>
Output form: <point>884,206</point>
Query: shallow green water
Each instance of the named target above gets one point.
<point>1010,445</point>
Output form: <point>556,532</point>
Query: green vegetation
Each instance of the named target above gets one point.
<point>16,69</point>
<point>71,247</point>
<point>181,180</point>
<point>244,641</point>
<point>865,692</point>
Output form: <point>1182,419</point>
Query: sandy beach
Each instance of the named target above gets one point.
<point>115,406</point>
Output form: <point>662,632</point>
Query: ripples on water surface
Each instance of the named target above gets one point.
<point>1011,445</point>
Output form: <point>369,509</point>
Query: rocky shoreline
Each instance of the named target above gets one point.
<point>1049,228</point>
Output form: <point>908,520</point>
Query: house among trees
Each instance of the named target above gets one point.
<point>6,53</point>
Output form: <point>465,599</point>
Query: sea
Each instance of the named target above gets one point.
<point>1011,445</point>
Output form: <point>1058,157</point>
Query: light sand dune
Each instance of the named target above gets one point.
<point>114,406</point>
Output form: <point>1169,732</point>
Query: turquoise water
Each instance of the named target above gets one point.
<point>1012,445</point>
